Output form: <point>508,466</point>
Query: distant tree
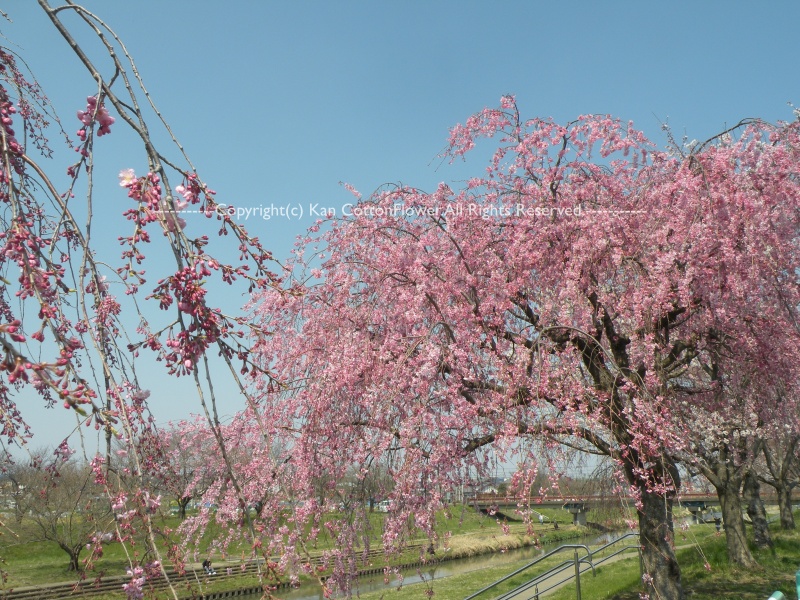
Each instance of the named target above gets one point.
<point>179,462</point>
<point>745,406</point>
<point>722,445</point>
<point>369,489</point>
<point>781,469</point>
<point>258,502</point>
<point>60,502</point>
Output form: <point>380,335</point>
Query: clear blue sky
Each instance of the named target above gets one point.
<point>277,102</point>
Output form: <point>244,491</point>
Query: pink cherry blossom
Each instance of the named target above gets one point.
<point>127,177</point>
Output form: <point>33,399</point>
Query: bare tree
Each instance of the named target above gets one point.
<point>58,501</point>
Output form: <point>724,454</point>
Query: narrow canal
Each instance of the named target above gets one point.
<point>441,570</point>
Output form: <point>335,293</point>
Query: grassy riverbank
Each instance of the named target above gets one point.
<point>486,539</point>
<point>469,533</point>
<point>702,555</point>
<point>718,580</point>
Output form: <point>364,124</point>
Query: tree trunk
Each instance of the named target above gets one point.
<point>785,506</point>
<point>662,575</point>
<point>182,504</point>
<point>756,512</point>
<point>736,540</point>
<point>74,562</point>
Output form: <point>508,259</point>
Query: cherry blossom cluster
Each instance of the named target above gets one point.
<point>95,547</point>
<point>38,245</point>
<point>7,110</point>
<point>134,589</point>
<point>94,113</point>
<point>29,96</point>
<point>187,286</point>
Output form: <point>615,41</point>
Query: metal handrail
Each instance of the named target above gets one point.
<point>613,554</point>
<point>558,568</point>
<point>563,567</point>
<point>528,566</point>
<point>533,583</point>
<point>555,584</point>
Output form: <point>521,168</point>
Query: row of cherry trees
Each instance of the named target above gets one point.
<point>585,290</point>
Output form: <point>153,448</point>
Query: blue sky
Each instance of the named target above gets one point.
<point>276,103</point>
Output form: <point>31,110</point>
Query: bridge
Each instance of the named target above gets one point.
<point>695,503</point>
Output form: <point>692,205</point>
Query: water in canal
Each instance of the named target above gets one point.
<point>441,570</point>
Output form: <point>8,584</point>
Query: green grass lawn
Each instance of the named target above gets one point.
<point>36,563</point>
<point>464,529</point>
<point>718,581</point>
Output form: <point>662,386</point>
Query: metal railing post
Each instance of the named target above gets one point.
<point>797,579</point>
<point>641,563</point>
<point>577,577</point>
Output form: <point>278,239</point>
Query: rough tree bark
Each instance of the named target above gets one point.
<point>785,506</point>
<point>728,488</point>
<point>756,511</point>
<point>662,577</point>
<point>74,556</point>
<point>782,475</point>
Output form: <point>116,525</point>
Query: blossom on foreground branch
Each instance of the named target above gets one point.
<point>66,336</point>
